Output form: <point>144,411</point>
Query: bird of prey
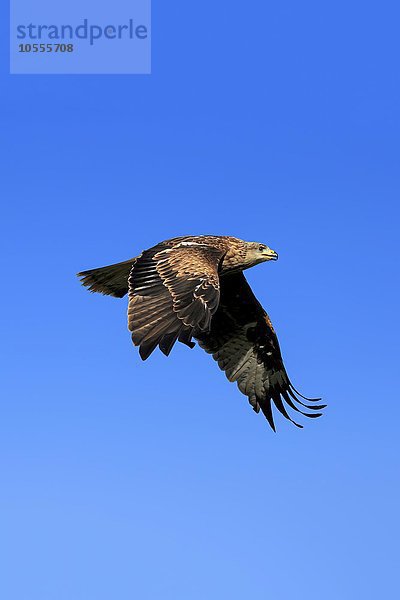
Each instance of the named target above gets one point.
<point>193,287</point>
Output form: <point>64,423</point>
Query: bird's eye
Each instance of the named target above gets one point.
<point>261,247</point>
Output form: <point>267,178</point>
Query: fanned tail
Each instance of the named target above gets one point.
<point>111,280</point>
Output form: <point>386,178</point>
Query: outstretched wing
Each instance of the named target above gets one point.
<point>172,293</point>
<point>243,342</point>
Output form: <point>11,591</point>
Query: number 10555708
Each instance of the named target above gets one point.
<point>45,48</point>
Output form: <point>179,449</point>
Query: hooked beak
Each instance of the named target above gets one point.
<point>270,254</point>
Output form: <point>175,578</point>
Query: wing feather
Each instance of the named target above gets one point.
<point>172,292</point>
<point>243,342</point>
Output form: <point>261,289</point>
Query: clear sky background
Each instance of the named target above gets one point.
<point>275,122</point>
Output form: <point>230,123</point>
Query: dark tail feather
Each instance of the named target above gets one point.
<point>111,280</point>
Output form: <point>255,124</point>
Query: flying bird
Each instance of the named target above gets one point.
<point>193,287</point>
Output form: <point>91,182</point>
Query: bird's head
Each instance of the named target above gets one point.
<point>257,253</point>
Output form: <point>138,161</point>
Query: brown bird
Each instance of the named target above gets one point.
<point>194,287</point>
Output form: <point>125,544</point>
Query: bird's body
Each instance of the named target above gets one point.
<point>194,287</point>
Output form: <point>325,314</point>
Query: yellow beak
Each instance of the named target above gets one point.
<point>270,254</point>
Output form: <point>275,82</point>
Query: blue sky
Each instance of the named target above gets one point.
<point>122,479</point>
